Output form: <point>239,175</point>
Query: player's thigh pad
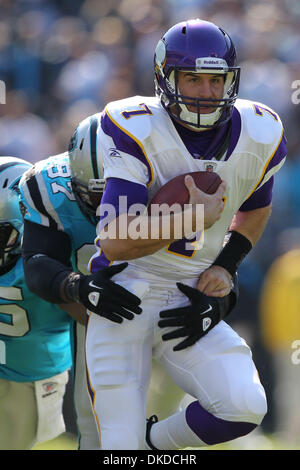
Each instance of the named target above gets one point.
<point>119,359</point>
<point>119,364</point>
<point>49,396</point>
<point>18,415</point>
<point>118,354</point>
<point>218,371</point>
<point>115,353</point>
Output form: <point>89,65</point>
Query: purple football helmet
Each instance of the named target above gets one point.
<point>199,47</point>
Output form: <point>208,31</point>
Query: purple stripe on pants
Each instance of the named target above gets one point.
<point>212,430</point>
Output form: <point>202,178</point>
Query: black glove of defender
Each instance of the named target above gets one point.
<point>99,294</point>
<point>197,319</point>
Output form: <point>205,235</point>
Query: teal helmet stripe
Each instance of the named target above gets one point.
<point>93,144</point>
<point>4,166</point>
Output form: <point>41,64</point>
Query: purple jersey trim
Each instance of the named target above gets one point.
<point>99,262</point>
<point>124,142</point>
<point>236,122</point>
<point>205,144</point>
<point>260,198</point>
<point>116,187</point>
<point>212,430</point>
<point>280,153</point>
<point>196,143</point>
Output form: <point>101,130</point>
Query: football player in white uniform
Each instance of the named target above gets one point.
<point>194,123</point>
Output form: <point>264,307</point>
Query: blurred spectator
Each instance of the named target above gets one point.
<point>23,133</point>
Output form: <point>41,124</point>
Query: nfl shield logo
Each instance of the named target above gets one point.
<point>49,386</point>
<point>211,166</point>
<point>206,322</point>
<point>94,297</point>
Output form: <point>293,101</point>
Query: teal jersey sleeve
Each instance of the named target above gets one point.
<point>34,334</point>
<point>48,199</point>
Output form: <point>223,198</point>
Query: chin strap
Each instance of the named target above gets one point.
<point>205,119</point>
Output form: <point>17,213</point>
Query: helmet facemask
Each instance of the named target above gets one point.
<point>88,197</point>
<point>177,104</point>
<point>9,244</point>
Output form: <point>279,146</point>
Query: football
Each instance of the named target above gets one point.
<point>175,191</point>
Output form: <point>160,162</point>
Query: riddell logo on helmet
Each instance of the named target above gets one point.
<point>211,62</point>
<point>202,62</point>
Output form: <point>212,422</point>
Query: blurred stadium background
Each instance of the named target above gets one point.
<point>62,60</point>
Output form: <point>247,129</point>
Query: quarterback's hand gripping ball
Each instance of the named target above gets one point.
<point>175,190</point>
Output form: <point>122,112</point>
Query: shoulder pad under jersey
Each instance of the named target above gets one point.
<point>134,115</point>
<point>262,124</point>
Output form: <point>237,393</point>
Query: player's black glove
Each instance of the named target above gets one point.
<point>99,294</point>
<point>197,319</point>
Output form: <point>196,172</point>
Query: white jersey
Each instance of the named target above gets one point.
<point>139,143</point>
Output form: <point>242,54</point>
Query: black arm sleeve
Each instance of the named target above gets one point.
<point>46,256</point>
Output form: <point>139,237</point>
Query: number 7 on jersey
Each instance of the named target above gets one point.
<point>139,112</point>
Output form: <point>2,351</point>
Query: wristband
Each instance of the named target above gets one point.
<point>233,253</point>
<point>70,287</point>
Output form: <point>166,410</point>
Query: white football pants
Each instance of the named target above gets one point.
<point>218,370</point>
<point>31,412</point>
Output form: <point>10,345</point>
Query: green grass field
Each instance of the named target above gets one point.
<point>64,442</point>
<point>255,442</point>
